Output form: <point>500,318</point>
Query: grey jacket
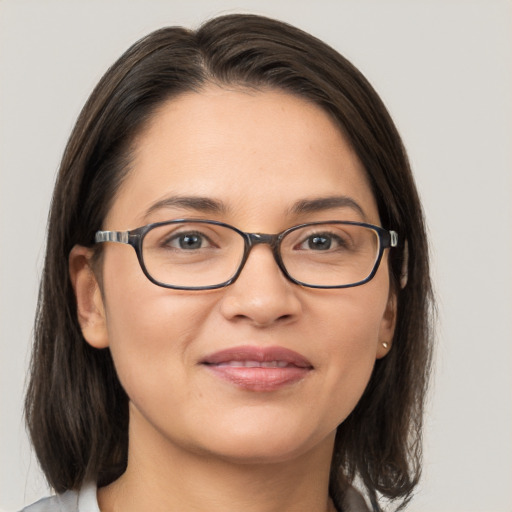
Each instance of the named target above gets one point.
<point>85,500</point>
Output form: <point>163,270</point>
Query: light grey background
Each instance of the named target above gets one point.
<point>444,70</point>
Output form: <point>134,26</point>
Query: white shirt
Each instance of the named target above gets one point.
<point>84,500</point>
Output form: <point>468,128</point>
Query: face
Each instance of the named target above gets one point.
<point>178,354</point>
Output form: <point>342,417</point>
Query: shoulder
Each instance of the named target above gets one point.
<point>70,501</point>
<point>67,502</point>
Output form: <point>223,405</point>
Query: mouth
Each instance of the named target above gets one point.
<point>258,368</point>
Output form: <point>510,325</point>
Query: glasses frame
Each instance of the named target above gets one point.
<point>135,238</point>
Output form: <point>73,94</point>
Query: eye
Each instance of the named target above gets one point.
<point>188,241</point>
<point>321,242</point>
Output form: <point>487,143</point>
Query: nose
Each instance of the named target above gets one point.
<point>261,295</point>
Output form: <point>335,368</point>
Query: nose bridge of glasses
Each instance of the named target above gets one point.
<point>254,239</point>
<point>265,239</point>
<point>262,238</point>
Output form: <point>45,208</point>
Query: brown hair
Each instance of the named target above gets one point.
<point>76,409</point>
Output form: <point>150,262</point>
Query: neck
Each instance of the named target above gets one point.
<point>162,476</point>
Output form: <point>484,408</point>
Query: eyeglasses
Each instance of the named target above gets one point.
<point>205,254</point>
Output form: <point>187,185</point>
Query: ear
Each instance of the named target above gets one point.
<point>89,300</point>
<point>387,326</point>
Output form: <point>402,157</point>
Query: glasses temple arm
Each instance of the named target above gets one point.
<point>112,236</point>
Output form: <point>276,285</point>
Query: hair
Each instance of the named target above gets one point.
<point>76,409</point>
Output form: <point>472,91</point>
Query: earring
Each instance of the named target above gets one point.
<point>385,344</point>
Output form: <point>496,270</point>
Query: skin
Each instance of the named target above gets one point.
<point>197,442</point>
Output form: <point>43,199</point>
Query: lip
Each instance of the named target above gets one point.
<point>258,368</point>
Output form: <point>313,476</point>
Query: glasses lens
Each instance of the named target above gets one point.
<point>192,254</point>
<point>330,254</point>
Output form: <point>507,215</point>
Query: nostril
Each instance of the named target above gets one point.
<point>261,307</point>
<point>262,322</point>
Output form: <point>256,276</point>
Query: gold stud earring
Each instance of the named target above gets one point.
<point>385,344</point>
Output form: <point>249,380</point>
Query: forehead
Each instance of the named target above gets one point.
<point>254,151</point>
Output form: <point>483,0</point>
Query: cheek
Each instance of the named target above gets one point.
<point>349,322</point>
<point>348,344</point>
<point>150,328</point>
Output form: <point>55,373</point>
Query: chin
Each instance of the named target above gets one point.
<point>265,446</point>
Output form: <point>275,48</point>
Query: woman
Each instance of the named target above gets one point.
<point>265,341</point>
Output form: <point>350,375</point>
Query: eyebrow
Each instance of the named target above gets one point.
<point>326,203</point>
<point>195,203</point>
<point>213,206</point>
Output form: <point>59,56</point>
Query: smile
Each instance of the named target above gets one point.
<point>255,364</point>
<point>258,368</point>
